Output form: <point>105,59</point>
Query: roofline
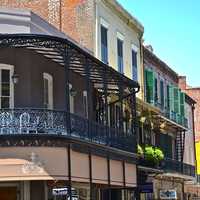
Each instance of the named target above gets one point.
<point>131,20</point>
<point>190,99</point>
<point>159,61</point>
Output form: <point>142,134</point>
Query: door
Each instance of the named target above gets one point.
<point>8,193</point>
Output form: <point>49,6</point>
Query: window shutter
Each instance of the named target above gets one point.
<point>176,100</point>
<point>182,104</point>
<point>162,93</point>
<point>149,86</point>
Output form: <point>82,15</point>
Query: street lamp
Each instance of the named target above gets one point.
<point>15,78</point>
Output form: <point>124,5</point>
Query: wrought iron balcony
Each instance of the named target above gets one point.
<point>52,122</point>
<point>173,166</point>
<point>170,165</point>
<point>175,117</point>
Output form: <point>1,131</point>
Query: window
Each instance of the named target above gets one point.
<point>162,94</point>
<point>48,91</point>
<point>120,55</point>
<point>156,91</point>
<point>104,44</point>
<point>134,65</point>
<point>149,86</point>
<point>168,98</point>
<point>6,86</point>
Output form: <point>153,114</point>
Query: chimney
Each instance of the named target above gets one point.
<point>182,82</point>
<point>150,48</point>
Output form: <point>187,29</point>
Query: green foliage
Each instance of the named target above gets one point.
<point>153,154</point>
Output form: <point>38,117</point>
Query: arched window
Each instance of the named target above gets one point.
<point>48,91</point>
<point>6,86</point>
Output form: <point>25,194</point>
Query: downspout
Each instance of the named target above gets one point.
<point>193,132</point>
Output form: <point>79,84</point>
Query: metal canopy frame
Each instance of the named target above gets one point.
<point>55,48</point>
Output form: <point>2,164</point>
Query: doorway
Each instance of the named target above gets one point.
<point>8,193</point>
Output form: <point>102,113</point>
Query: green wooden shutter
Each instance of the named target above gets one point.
<point>182,104</point>
<point>149,86</point>
<point>176,100</point>
<point>182,108</point>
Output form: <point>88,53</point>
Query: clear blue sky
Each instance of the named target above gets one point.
<point>172,27</point>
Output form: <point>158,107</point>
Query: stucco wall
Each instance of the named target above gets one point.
<point>131,37</point>
<point>189,152</point>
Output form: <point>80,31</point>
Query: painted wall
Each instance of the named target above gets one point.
<point>198,157</point>
<point>189,151</point>
<point>130,38</point>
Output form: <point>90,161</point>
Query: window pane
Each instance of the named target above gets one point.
<point>5,89</point>
<point>104,44</point>
<point>120,55</point>
<point>134,65</point>
<point>5,76</point>
<point>134,59</point>
<point>5,102</point>
<point>162,93</point>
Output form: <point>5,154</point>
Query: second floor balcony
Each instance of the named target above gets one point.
<point>44,122</point>
<point>50,86</point>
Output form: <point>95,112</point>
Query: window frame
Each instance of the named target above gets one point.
<point>134,49</point>
<point>11,97</point>
<point>105,24</point>
<point>120,38</point>
<point>49,78</point>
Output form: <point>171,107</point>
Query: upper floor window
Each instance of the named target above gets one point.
<point>6,86</point>
<point>156,90</point>
<point>134,64</point>
<point>104,44</point>
<point>120,62</point>
<point>162,93</point>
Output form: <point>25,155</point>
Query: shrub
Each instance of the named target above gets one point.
<point>153,155</point>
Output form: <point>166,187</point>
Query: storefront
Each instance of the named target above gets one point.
<point>46,173</point>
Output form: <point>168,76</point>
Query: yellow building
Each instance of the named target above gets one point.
<point>198,157</point>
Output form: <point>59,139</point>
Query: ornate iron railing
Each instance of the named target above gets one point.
<point>52,122</point>
<point>171,165</point>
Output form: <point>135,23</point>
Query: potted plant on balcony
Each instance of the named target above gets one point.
<point>153,156</point>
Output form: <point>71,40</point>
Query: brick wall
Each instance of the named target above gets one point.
<point>74,17</point>
<point>194,93</point>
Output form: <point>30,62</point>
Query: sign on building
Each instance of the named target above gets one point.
<point>168,194</point>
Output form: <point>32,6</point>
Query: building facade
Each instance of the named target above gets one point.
<point>66,118</point>
<point>103,27</point>
<point>194,93</point>
<point>163,125</point>
<point>99,104</point>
